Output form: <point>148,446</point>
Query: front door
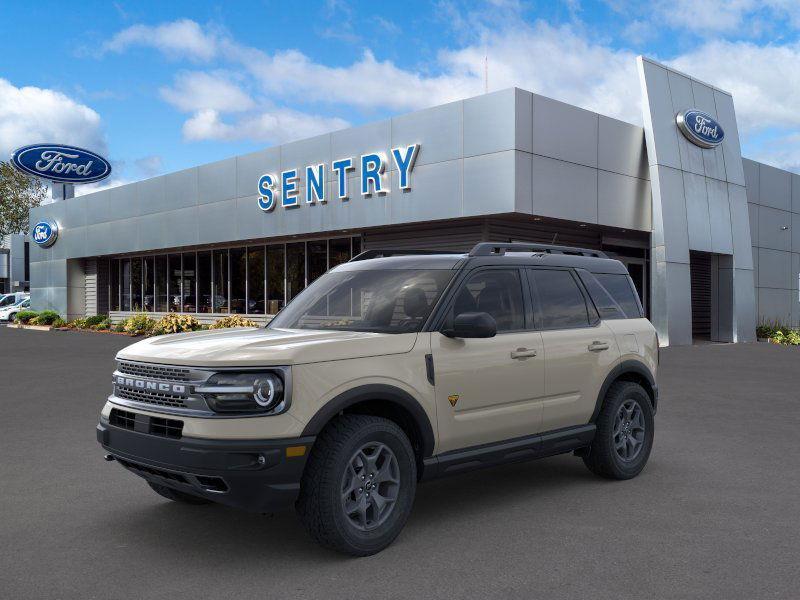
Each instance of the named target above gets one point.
<point>489,389</point>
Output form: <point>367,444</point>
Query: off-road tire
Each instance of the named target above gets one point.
<point>320,502</point>
<point>602,458</point>
<point>177,496</point>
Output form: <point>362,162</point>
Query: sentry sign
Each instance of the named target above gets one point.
<point>284,189</point>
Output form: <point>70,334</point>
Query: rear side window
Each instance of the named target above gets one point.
<point>621,289</point>
<point>605,304</point>
<point>560,302</point>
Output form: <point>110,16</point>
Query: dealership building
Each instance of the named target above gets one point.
<point>711,240</point>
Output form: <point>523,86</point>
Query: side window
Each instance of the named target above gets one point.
<point>497,292</point>
<point>605,304</point>
<point>561,304</point>
<point>621,289</point>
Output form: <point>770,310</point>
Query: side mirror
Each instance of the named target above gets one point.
<point>472,325</point>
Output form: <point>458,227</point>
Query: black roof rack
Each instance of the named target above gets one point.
<point>383,253</point>
<point>489,248</point>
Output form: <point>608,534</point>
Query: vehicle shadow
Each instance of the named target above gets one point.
<point>211,531</point>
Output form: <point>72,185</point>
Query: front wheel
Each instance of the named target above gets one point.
<point>359,485</point>
<point>624,435</point>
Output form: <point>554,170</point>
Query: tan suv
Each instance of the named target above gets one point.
<point>390,369</point>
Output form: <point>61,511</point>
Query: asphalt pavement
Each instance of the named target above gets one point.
<point>714,514</point>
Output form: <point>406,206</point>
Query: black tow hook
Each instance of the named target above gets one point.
<point>109,457</point>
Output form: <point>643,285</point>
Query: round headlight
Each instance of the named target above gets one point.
<point>268,391</point>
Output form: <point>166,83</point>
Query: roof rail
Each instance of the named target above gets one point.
<point>383,253</point>
<point>489,248</point>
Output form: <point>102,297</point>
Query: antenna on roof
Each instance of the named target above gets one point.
<point>486,73</point>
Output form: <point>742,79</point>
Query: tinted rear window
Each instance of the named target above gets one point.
<point>622,291</point>
<point>561,304</point>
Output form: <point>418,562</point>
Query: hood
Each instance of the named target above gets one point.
<point>253,346</point>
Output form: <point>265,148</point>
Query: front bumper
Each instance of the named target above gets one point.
<point>254,475</point>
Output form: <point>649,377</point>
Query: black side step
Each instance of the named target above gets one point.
<point>529,447</point>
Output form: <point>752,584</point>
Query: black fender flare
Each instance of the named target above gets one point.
<point>628,366</point>
<point>381,392</point>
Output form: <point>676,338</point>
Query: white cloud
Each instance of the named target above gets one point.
<point>150,166</point>
<point>181,38</point>
<point>30,114</point>
<point>278,125</point>
<point>562,62</point>
<point>198,90</point>
<point>710,17</point>
<point>764,80</point>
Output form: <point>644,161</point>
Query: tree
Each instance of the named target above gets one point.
<point>18,194</point>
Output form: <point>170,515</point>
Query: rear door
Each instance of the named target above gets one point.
<point>489,389</point>
<point>579,348</point>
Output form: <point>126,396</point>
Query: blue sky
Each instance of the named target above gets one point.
<point>159,86</point>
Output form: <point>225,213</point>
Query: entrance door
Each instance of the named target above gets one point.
<point>489,389</point>
<point>638,272</point>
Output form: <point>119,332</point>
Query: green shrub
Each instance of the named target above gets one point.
<point>138,324</point>
<point>119,327</point>
<point>176,323</point>
<point>59,322</point>
<point>46,317</point>
<point>25,316</point>
<point>234,321</point>
<point>103,325</point>
<point>779,333</point>
<point>94,320</point>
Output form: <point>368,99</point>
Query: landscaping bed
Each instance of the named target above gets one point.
<point>778,333</point>
<point>135,325</point>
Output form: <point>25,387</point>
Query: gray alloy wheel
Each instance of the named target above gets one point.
<point>629,430</point>
<point>370,486</point>
<point>359,484</point>
<point>625,431</point>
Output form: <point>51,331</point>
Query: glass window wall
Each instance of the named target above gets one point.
<point>219,280</point>
<point>238,280</point>
<point>254,280</point>
<point>174,283</point>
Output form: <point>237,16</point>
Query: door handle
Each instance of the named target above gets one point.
<point>598,346</point>
<point>520,353</point>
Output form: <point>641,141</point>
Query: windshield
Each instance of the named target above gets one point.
<point>381,301</point>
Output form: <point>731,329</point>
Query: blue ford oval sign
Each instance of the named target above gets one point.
<point>700,128</point>
<point>65,164</point>
<point>45,233</point>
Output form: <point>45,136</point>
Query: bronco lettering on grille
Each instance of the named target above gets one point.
<point>151,386</point>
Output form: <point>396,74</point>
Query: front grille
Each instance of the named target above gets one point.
<point>150,397</point>
<point>122,418</point>
<point>171,428</point>
<point>154,371</point>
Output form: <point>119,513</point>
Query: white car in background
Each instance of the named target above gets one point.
<point>13,298</point>
<point>7,313</point>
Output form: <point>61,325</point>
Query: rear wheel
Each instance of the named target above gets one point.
<point>359,485</point>
<point>177,496</point>
<point>624,435</point>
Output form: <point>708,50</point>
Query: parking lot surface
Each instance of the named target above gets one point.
<point>714,514</point>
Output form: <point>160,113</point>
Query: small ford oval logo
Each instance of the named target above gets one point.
<point>65,164</point>
<point>44,233</point>
<point>700,128</point>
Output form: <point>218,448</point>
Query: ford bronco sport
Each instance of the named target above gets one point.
<point>390,369</point>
